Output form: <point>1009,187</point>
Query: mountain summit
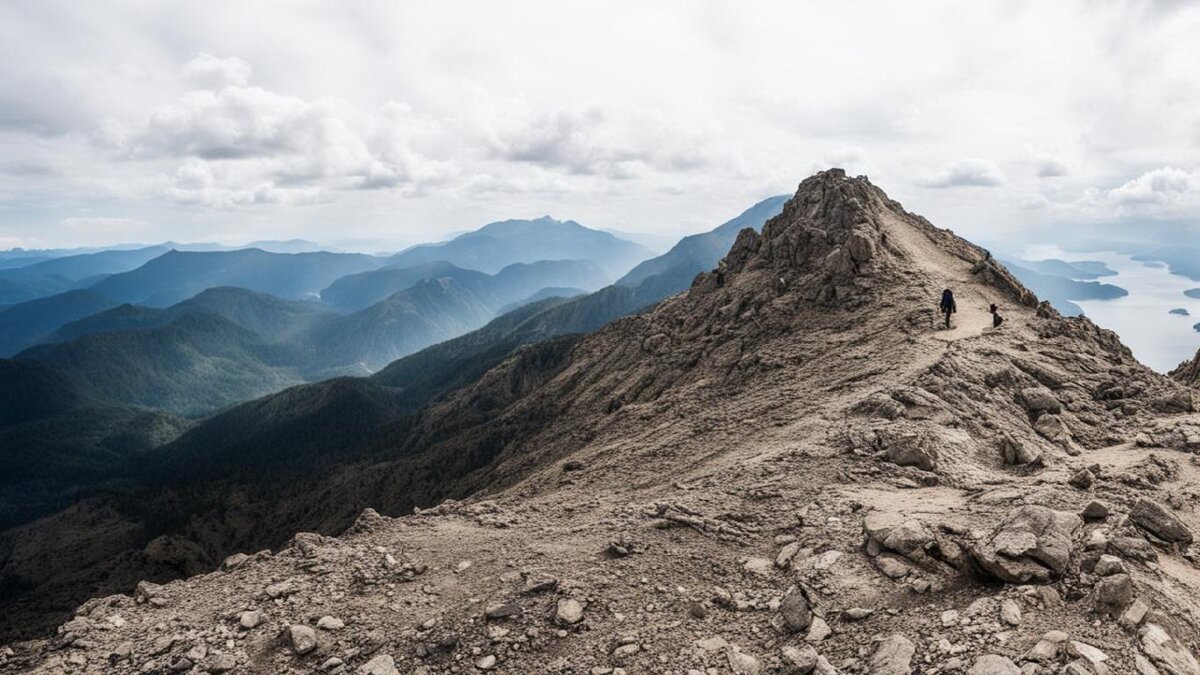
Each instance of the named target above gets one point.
<point>791,467</point>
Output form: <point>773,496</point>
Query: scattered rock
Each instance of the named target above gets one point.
<point>1032,545</point>
<point>330,623</point>
<point>1083,479</point>
<point>1166,652</point>
<point>994,664</point>
<point>1157,520</point>
<point>1094,511</point>
<point>303,638</point>
<point>1010,612</point>
<point>250,619</point>
<point>799,660</point>
<point>383,664</point>
<point>1047,649</point>
<point>743,664</point>
<point>569,612</point>
<point>892,656</point>
<point>1114,593</point>
<point>794,612</point>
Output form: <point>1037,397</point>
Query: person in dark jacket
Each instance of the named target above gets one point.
<point>947,306</point>
<point>996,318</point>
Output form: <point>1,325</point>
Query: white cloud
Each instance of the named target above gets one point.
<point>1048,166</point>
<point>210,72</point>
<point>343,120</point>
<point>1163,186</point>
<point>967,173</point>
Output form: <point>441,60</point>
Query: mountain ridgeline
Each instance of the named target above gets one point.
<point>797,462</point>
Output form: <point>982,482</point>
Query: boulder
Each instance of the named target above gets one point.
<point>994,664</point>
<point>1114,593</point>
<point>892,656</point>
<point>1166,652</point>
<point>795,613</point>
<point>799,660</point>
<point>911,450</point>
<point>1032,545</point>
<point>1158,521</point>
<point>1053,428</point>
<point>1040,400</point>
<point>1016,452</point>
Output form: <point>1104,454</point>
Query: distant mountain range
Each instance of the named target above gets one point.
<point>511,284</point>
<point>494,246</point>
<point>178,275</point>
<point>1058,282</point>
<point>227,345</point>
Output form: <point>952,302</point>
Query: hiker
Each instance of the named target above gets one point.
<point>996,318</point>
<point>948,307</point>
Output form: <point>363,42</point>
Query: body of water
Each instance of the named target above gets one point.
<point>1143,318</point>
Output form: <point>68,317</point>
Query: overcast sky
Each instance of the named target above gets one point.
<point>234,121</point>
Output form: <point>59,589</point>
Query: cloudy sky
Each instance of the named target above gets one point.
<point>336,121</point>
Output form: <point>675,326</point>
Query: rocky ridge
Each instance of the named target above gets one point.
<point>790,468</point>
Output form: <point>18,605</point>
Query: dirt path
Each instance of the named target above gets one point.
<point>944,270</point>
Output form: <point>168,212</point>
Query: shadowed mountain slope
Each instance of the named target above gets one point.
<point>27,323</point>
<point>793,438</point>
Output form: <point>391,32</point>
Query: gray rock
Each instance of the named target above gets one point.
<point>1114,593</point>
<point>1167,653</point>
<point>743,664</point>
<point>1134,614</point>
<point>220,662</point>
<point>795,612</point>
<point>1052,428</point>
<point>1032,545</point>
<point>1047,649</point>
<point>568,612</point>
<point>1083,479</point>
<point>994,664</point>
<point>1010,612</point>
<point>1016,452</point>
<point>799,660</point>
<point>1040,400</point>
<point>1157,520</point>
<point>250,619</point>
<point>1108,565</point>
<point>893,656</point>
<point>303,638</point>
<point>383,664</point>
<point>1095,511</point>
<point>911,450</point>
<point>502,610</point>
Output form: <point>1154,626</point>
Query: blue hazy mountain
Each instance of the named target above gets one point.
<point>494,246</point>
<point>1076,269</point>
<point>514,282</point>
<point>178,275</point>
<point>230,344</point>
<point>25,324</point>
<point>1060,291</point>
<point>700,252</point>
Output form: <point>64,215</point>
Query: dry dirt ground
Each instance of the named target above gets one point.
<point>803,474</point>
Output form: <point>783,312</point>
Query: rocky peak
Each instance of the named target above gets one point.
<point>1188,372</point>
<point>842,238</point>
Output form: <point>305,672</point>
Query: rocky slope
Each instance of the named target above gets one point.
<point>790,468</point>
<point>1188,372</point>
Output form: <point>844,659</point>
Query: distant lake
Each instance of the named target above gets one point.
<point>1143,318</point>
